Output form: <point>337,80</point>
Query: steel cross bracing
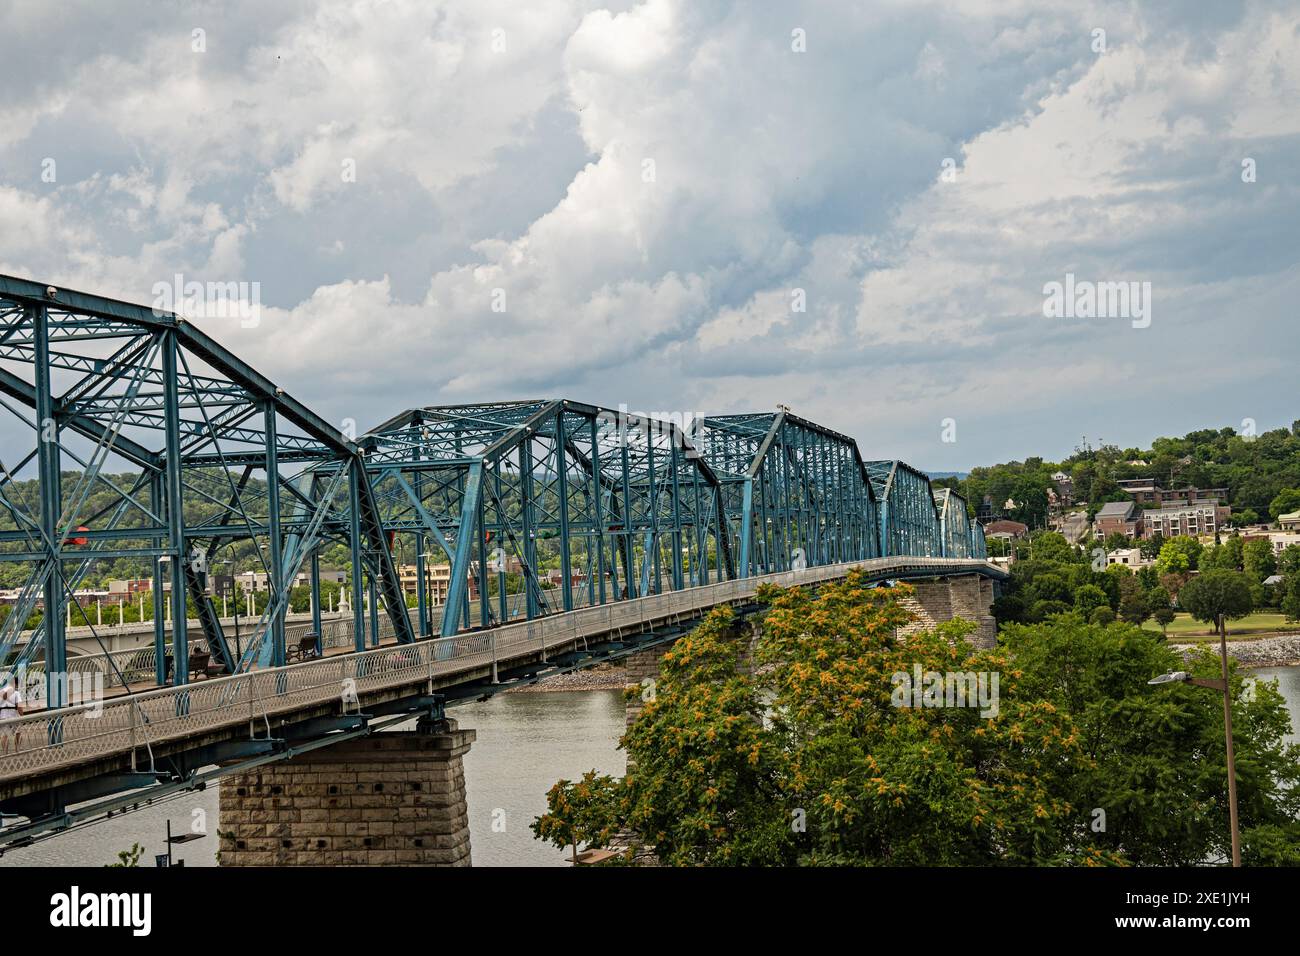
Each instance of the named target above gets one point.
<point>960,536</point>
<point>573,504</point>
<point>149,442</point>
<point>908,515</point>
<point>155,450</point>
<point>918,519</point>
<point>796,494</point>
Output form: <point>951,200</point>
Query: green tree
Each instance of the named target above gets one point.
<point>1217,597</point>
<point>1178,555</point>
<point>818,754</point>
<point>1286,502</point>
<point>1117,540</point>
<point>1212,557</point>
<point>1088,597</point>
<point>1042,610</point>
<point>1050,546</point>
<point>1051,587</point>
<point>1291,598</point>
<point>580,812</point>
<point>707,788</point>
<point>1157,762</point>
<point>128,858</point>
<point>1150,547</point>
<point>1272,845</point>
<point>1134,607</point>
<point>1164,616</point>
<point>1101,615</point>
<point>1258,560</point>
<point>1157,597</point>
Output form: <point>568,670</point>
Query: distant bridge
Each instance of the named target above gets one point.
<point>642,523</point>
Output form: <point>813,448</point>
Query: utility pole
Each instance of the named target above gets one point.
<point>1227,731</point>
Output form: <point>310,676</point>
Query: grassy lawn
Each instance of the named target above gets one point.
<point>1262,622</point>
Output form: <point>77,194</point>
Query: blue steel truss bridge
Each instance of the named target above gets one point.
<point>543,536</point>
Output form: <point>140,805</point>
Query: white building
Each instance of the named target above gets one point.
<point>260,580</point>
<point>1128,557</point>
<point>1281,540</point>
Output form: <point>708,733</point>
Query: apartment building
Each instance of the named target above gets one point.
<point>437,578</point>
<point>1122,516</point>
<point>1145,491</point>
<point>1198,518</point>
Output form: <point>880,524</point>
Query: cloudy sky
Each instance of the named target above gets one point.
<point>852,209</point>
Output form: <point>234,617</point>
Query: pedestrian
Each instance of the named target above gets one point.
<point>11,707</point>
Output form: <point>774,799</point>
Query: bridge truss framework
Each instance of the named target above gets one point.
<point>151,443</point>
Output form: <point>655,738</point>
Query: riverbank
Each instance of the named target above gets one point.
<point>1281,650</point>
<point>1278,650</point>
<point>600,677</point>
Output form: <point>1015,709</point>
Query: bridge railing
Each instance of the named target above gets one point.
<point>137,722</point>
<point>134,666</point>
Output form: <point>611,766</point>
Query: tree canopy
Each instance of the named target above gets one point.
<point>1216,596</point>
<point>796,751</point>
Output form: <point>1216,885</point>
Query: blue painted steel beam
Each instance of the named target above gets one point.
<point>626,504</point>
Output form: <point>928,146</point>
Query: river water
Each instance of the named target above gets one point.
<point>525,743</point>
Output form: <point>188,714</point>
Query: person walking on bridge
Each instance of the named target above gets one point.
<point>11,707</point>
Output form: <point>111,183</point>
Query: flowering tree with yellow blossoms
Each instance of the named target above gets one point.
<point>795,748</point>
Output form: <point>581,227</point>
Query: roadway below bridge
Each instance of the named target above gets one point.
<point>60,767</point>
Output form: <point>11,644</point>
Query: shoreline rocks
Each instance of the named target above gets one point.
<point>600,677</point>
<point>1279,650</point>
<point>1282,650</point>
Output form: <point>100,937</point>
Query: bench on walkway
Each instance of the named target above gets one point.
<point>199,665</point>
<point>306,650</point>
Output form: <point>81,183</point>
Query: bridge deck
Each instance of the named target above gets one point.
<point>130,726</point>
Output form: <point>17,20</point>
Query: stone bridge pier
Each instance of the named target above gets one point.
<point>388,799</point>
<point>967,596</point>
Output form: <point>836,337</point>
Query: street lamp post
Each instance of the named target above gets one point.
<point>1223,686</point>
<point>234,599</point>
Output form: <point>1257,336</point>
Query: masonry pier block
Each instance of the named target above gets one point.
<point>967,596</point>
<point>642,669</point>
<point>389,799</point>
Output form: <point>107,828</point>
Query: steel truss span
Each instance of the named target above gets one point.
<point>132,437</point>
<point>152,445</point>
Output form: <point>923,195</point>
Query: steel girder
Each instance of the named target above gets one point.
<point>617,506</point>
<point>148,440</point>
<point>910,521</point>
<point>174,449</point>
<point>959,535</point>
<point>796,493</point>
